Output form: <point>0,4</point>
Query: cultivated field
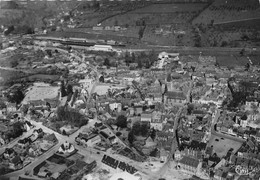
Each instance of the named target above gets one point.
<point>254,22</point>
<point>232,60</point>
<point>229,10</point>
<point>158,14</point>
<point>222,145</point>
<point>40,77</point>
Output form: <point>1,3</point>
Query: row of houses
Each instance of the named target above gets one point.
<point>118,164</point>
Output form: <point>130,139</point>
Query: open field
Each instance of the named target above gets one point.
<point>222,145</point>
<point>38,93</point>
<point>40,77</point>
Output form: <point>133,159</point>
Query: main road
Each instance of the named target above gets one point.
<point>213,51</point>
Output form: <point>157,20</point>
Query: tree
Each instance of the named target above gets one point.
<point>247,67</point>
<point>133,57</point>
<point>14,63</point>
<point>63,90</point>
<point>96,5</point>
<point>143,23</point>
<point>17,97</point>
<point>127,58</point>
<point>139,63</point>
<point>17,129</point>
<point>153,134</point>
<point>121,121</point>
<point>64,132</point>
<point>193,68</point>
<point>69,89</point>
<point>140,129</point>
<point>152,57</point>
<point>2,105</point>
<point>107,62</point>
<point>190,108</point>
<point>141,32</point>
<point>154,152</point>
<point>131,137</point>
<point>169,78</point>
<point>9,30</point>
<point>242,52</point>
<point>224,44</point>
<point>101,79</point>
<point>72,116</point>
<point>147,63</point>
<point>49,53</point>
<point>118,134</point>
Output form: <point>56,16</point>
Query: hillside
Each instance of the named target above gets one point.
<point>222,11</point>
<point>33,14</point>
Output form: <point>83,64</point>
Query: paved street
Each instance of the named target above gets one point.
<point>11,144</point>
<point>162,171</point>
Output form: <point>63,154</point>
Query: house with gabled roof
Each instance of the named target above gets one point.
<point>24,142</point>
<point>146,117</point>
<point>157,120</point>
<point>164,140</point>
<point>220,175</point>
<point>16,161</point>
<point>173,98</point>
<point>189,164</point>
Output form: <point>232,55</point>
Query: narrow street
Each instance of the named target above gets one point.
<point>11,144</point>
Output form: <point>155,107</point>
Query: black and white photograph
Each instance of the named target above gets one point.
<point>129,89</point>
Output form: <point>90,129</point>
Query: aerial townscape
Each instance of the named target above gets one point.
<point>130,90</point>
